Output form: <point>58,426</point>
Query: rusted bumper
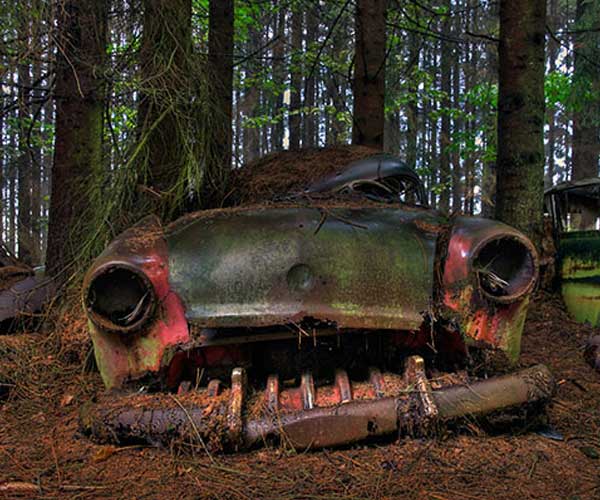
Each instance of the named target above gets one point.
<point>234,420</point>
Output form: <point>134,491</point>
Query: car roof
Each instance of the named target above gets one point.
<point>589,187</point>
<point>375,167</point>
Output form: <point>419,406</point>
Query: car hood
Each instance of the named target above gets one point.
<point>363,267</point>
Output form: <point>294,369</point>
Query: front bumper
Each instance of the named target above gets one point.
<point>233,419</point>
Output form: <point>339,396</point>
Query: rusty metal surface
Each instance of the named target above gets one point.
<point>26,297</point>
<point>137,417</point>
<point>199,292</point>
<point>579,264</point>
<point>254,269</point>
<point>239,383</point>
<point>592,352</point>
<point>485,320</point>
<point>359,268</point>
<point>575,207</point>
<point>378,168</point>
<point>573,202</point>
<point>423,403</point>
<point>130,355</point>
<point>527,386</point>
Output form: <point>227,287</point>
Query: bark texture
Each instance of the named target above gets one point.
<point>279,79</point>
<point>446,62</point>
<point>520,164</point>
<point>296,80</point>
<point>586,145</point>
<point>79,95</point>
<point>369,73</point>
<point>220,60</point>
<point>165,88</point>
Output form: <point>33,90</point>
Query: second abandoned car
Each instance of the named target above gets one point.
<point>307,318</point>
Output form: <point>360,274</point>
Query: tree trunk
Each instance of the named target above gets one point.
<point>46,166</point>
<point>3,211</point>
<point>310,120</point>
<point>469,124</point>
<point>369,73</point>
<point>336,90</point>
<point>165,90</point>
<point>251,100</point>
<point>487,71</point>
<point>26,253</point>
<point>432,125</point>
<point>586,145</point>
<point>36,171</point>
<point>237,147</point>
<point>553,48</point>
<point>412,108</point>
<point>279,78</point>
<point>520,164</point>
<point>220,60</point>
<point>296,80</point>
<point>392,136</point>
<point>12,192</point>
<point>457,184</point>
<point>446,87</point>
<point>79,95</point>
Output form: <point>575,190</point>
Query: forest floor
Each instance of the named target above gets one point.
<point>42,454</point>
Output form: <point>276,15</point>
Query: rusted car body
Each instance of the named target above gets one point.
<point>23,294</point>
<point>300,300</point>
<point>575,208</point>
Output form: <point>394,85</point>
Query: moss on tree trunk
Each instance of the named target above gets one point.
<point>165,91</point>
<point>79,94</point>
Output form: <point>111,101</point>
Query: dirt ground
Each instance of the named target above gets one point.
<point>42,455</point>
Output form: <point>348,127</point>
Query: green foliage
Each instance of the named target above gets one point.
<point>558,90</point>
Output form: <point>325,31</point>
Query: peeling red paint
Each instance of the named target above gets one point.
<point>124,356</point>
<point>495,323</point>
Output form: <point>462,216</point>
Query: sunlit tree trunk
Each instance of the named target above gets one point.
<point>279,78</point>
<point>369,73</point>
<point>520,165</point>
<point>469,124</point>
<point>553,48</point>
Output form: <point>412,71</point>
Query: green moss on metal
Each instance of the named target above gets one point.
<point>233,269</point>
<point>579,255</point>
<point>583,301</point>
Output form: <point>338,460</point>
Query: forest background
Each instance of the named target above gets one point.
<point>134,106</point>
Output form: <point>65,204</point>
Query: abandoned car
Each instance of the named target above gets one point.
<point>308,318</point>
<point>574,207</point>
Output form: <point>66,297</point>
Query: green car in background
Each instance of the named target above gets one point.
<point>574,207</point>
